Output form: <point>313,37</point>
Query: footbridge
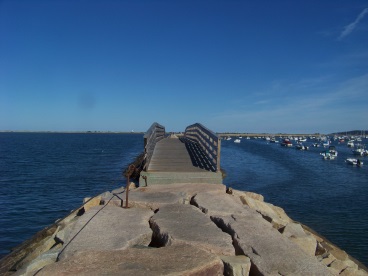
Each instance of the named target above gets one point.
<point>193,157</point>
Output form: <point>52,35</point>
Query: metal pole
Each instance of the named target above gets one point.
<point>130,171</point>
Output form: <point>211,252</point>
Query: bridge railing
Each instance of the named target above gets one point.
<point>154,134</point>
<point>209,142</point>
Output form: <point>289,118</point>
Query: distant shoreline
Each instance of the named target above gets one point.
<point>71,132</point>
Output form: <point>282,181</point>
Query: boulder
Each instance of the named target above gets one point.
<point>153,199</point>
<point>255,196</point>
<point>91,202</point>
<point>180,223</point>
<point>305,241</point>
<point>108,228</point>
<point>236,265</point>
<point>214,203</point>
<point>353,272</point>
<point>271,213</point>
<point>178,259</point>
<point>41,261</point>
<point>270,252</point>
<point>38,249</point>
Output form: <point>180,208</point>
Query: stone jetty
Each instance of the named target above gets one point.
<point>179,229</point>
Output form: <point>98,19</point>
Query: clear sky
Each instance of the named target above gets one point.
<point>244,66</point>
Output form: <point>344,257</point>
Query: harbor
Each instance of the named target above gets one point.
<point>232,192</point>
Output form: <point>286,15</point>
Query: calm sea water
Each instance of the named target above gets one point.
<point>43,176</point>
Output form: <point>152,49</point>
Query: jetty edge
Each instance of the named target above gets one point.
<point>178,229</point>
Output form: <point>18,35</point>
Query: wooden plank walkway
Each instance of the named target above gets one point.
<point>171,155</point>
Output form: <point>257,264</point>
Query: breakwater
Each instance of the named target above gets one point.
<point>192,229</point>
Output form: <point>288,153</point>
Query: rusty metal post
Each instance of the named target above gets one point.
<point>130,171</point>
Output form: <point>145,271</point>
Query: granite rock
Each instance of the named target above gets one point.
<point>178,259</point>
<point>108,228</point>
<point>180,223</point>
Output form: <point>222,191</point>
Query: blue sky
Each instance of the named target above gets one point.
<point>243,66</point>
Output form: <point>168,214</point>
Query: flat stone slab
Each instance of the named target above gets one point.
<point>153,200</point>
<point>220,204</point>
<point>108,228</point>
<point>182,223</point>
<point>180,259</point>
<point>270,252</point>
<point>186,188</point>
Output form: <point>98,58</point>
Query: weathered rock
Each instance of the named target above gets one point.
<point>270,252</point>
<point>248,194</point>
<point>91,202</point>
<point>296,234</point>
<point>179,259</point>
<point>338,266</point>
<point>153,199</point>
<point>353,272</point>
<point>337,252</point>
<point>180,223</point>
<point>214,203</point>
<point>41,261</point>
<point>276,216</point>
<point>108,228</point>
<point>185,188</point>
<point>327,261</point>
<point>42,247</point>
<point>236,265</point>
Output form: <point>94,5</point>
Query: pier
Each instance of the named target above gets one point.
<point>181,220</point>
<point>191,158</point>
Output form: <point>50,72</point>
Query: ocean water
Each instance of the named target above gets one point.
<point>43,176</point>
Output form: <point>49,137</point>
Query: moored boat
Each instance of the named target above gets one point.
<point>359,150</point>
<point>286,143</point>
<point>301,147</point>
<point>354,162</point>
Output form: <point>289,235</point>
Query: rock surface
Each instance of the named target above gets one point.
<point>179,229</point>
<point>108,228</point>
<point>181,259</point>
<point>179,223</point>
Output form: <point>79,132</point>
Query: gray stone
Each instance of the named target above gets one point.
<point>305,241</point>
<point>153,200</point>
<point>180,259</point>
<point>270,252</point>
<point>186,188</point>
<point>236,265</point>
<point>91,202</point>
<point>179,223</point>
<point>108,228</point>
<point>276,216</point>
<point>42,247</point>
<point>353,272</point>
<point>41,261</point>
<point>214,203</point>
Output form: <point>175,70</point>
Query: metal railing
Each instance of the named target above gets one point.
<point>208,141</point>
<point>154,134</point>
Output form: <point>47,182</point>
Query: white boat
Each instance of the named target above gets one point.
<point>326,143</point>
<point>350,144</point>
<point>301,147</point>
<point>329,154</point>
<point>273,140</point>
<point>237,141</point>
<point>326,155</point>
<point>359,150</point>
<point>228,138</point>
<point>332,150</point>
<point>354,162</point>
